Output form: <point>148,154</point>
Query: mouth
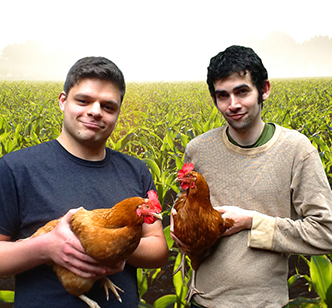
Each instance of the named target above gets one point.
<point>236,116</point>
<point>92,125</point>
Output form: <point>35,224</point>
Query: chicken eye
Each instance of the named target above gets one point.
<point>147,206</point>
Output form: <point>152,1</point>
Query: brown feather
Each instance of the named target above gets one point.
<point>108,235</point>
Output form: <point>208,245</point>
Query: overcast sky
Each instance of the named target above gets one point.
<point>157,40</point>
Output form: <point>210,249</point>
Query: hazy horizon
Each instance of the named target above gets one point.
<point>163,41</point>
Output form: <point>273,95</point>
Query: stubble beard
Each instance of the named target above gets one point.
<point>245,123</point>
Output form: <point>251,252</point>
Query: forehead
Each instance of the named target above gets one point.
<point>234,80</point>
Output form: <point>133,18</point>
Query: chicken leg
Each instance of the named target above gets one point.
<point>192,289</point>
<point>181,268</point>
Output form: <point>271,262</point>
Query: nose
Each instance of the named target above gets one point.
<point>234,103</point>
<point>95,110</point>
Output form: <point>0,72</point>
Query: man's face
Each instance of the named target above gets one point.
<point>237,100</point>
<point>90,111</point>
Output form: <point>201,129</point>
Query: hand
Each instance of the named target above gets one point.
<point>242,218</point>
<point>66,250</point>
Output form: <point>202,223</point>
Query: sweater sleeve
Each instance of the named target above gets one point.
<point>311,232</point>
<point>262,231</point>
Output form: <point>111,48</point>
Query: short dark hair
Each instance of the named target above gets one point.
<point>237,59</point>
<point>95,67</point>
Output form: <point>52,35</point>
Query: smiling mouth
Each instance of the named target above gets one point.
<point>92,125</point>
<point>236,116</point>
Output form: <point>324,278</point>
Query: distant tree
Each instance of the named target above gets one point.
<point>23,61</point>
<point>318,55</point>
<point>283,57</point>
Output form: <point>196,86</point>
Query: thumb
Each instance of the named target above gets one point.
<point>220,209</point>
<point>70,213</point>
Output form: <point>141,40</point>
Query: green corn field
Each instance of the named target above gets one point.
<point>156,122</point>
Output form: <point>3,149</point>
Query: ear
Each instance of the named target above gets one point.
<point>266,89</point>
<point>62,100</point>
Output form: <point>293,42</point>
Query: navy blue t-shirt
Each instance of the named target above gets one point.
<point>42,183</point>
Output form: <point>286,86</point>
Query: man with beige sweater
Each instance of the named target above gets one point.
<point>268,179</point>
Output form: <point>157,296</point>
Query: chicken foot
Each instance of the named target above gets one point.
<point>108,284</point>
<point>192,289</point>
<point>91,303</point>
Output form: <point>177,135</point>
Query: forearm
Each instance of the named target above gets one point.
<point>152,251</point>
<point>311,235</point>
<point>60,246</point>
<point>20,256</point>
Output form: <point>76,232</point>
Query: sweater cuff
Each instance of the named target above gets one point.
<point>262,231</point>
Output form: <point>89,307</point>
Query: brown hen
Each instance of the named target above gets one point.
<point>195,224</point>
<point>108,235</point>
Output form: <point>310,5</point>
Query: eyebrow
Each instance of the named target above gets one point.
<point>87,97</point>
<point>242,85</point>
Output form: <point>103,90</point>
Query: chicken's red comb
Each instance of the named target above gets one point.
<point>153,197</point>
<point>185,169</point>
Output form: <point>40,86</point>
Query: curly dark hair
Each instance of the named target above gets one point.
<point>95,67</point>
<point>237,59</point>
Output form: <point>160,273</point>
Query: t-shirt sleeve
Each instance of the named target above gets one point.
<point>147,180</point>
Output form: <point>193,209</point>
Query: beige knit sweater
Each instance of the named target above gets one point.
<point>284,182</point>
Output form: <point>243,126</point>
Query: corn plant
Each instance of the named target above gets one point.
<point>156,122</point>
<point>320,280</point>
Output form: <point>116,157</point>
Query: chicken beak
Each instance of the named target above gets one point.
<point>158,215</point>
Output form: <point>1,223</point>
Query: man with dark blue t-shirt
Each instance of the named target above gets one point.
<point>44,182</point>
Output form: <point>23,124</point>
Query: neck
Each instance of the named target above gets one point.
<point>91,152</point>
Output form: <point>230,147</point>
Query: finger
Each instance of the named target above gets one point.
<point>85,266</point>
<point>229,232</point>
<point>87,271</point>
<point>172,222</point>
<point>220,209</point>
<point>116,269</point>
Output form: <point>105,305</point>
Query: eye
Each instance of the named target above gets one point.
<point>242,92</point>
<point>107,107</point>
<point>110,107</point>
<point>221,96</point>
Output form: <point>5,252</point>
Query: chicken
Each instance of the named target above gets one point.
<point>108,235</point>
<point>195,224</point>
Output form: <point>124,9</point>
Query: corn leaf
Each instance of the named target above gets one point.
<point>7,296</point>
